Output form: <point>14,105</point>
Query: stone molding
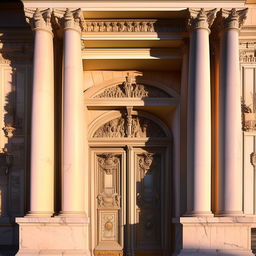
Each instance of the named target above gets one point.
<point>39,19</point>
<point>201,18</point>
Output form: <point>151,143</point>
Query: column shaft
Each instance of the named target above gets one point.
<point>199,120</point>
<point>73,123</point>
<point>42,133</point>
<point>230,144</point>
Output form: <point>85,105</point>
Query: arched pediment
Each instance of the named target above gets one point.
<point>136,124</point>
<point>131,88</point>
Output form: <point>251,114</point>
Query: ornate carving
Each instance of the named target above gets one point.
<point>233,18</point>
<point>149,172</point>
<point>118,128</point>
<point>145,161</point>
<point>39,18</point>
<point>135,26</point>
<point>108,200</point>
<point>253,159</point>
<point>248,52</point>
<point>248,116</point>
<point>69,19</point>
<point>108,163</point>
<point>128,89</point>
<point>8,130</point>
<point>201,18</point>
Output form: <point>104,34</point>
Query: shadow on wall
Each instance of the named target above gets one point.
<point>15,58</point>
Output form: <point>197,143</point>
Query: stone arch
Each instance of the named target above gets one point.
<point>146,126</point>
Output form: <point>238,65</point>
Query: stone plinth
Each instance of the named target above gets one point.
<point>209,236</point>
<point>53,236</point>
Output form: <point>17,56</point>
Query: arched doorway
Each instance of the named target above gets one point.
<point>130,184</point>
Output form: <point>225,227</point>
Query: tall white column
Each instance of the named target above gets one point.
<point>199,115</point>
<point>230,136</point>
<point>73,117</point>
<point>42,133</point>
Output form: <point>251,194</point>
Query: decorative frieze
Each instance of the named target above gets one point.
<point>130,25</point>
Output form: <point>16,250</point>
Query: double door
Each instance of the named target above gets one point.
<point>130,201</point>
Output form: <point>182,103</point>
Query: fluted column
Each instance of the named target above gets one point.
<point>73,117</point>
<point>42,131</point>
<point>230,136</point>
<point>199,115</point>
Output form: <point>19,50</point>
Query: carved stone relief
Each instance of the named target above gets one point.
<point>133,127</point>
<point>108,162</point>
<point>248,52</point>
<point>108,200</point>
<point>248,116</point>
<point>145,161</point>
<point>253,159</point>
<point>135,26</point>
<point>108,195</point>
<point>129,89</point>
<point>108,226</point>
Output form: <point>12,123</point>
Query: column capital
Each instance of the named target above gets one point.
<point>200,18</point>
<point>69,19</point>
<point>39,19</point>
<point>232,19</point>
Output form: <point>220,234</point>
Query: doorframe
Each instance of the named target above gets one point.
<point>115,147</point>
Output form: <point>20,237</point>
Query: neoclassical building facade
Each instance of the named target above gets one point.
<point>128,127</point>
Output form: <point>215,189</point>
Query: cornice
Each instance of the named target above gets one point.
<point>142,5</point>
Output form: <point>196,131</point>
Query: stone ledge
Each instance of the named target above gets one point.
<point>209,220</point>
<point>25,252</point>
<point>53,220</point>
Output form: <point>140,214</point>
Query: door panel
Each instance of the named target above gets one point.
<point>130,201</point>
<point>148,167</point>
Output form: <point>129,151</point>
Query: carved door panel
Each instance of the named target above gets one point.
<point>147,204</point>
<point>109,185</point>
<point>130,199</point>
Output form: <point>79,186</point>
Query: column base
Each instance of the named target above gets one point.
<point>229,214</point>
<point>67,214</point>
<point>55,236</point>
<point>198,214</point>
<point>34,214</point>
<point>210,236</point>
